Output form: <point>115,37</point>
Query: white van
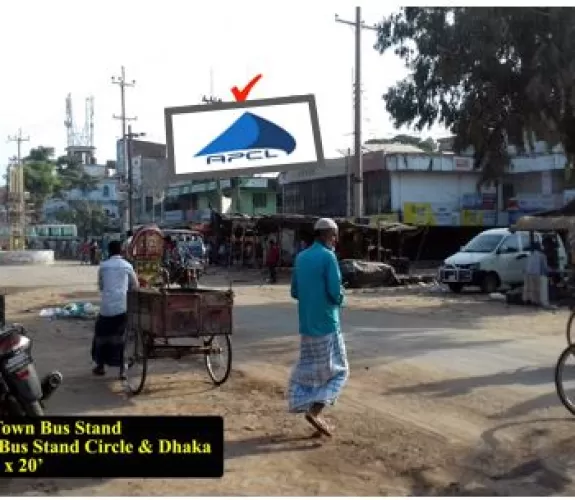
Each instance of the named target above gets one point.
<point>494,258</point>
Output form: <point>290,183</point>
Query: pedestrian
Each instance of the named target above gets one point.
<point>322,369</point>
<point>536,281</point>
<point>115,277</point>
<point>93,253</point>
<point>272,261</point>
<point>85,252</point>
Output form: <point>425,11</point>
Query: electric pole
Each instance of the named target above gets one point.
<point>18,139</point>
<point>128,138</point>
<point>123,84</point>
<point>358,25</point>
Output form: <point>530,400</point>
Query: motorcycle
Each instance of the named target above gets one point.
<point>186,275</point>
<point>22,393</point>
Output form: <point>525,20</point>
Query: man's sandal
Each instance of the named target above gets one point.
<point>319,424</point>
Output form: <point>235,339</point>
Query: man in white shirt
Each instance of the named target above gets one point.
<point>115,277</point>
<point>536,282</point>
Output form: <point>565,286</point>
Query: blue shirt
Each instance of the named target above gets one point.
<point>316,285</point>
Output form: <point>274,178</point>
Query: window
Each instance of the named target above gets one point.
<point>260,200</point>
<point>525,241</point>
<point>106,191</point>
<point>510,244</point>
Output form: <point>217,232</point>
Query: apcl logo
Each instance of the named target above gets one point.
<point>250,137</point>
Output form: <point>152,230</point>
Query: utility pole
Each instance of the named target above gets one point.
<point>18,139</point>
<point>128,138</point>
<point>358,180</point>
<point>123,84</point>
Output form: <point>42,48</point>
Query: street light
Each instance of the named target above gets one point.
<point>129,136</point>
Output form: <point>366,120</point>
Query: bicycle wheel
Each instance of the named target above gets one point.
<point>135,362</point>
<point>566,396</point>
<point>569,330</point>
<point>219,361</point>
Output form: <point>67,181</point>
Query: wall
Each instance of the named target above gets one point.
<point>423,187</point>
<point>247,202</point>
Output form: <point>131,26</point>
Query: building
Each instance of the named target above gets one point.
<point>246,195</point>
<point>104,196</point>
<point>430,188</point>
<point>149,177</point>
<point>327,190</point>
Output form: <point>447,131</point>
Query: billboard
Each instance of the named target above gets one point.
<point>232,139</point>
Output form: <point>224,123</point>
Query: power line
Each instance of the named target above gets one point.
<point>358,25</point>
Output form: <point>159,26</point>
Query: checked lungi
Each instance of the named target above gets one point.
<point>108,342</point>
<point>320,373</point>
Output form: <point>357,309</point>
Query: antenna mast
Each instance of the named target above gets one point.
<point>80,143</point>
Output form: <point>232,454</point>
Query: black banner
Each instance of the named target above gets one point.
<point>112,447</point>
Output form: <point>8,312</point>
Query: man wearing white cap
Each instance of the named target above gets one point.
<point>322,369</point>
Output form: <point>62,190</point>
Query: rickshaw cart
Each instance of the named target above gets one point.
<point>175,323</point>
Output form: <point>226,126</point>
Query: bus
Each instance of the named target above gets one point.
<point>52,232</point>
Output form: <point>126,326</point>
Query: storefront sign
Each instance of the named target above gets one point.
<point>255,182</point>
<point>429,214</point>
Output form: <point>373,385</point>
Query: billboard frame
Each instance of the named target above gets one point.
<point>169,113</point>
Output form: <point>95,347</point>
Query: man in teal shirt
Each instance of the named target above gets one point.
<point>322,369</point>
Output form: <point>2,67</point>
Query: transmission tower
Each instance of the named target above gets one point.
<point>80,140</point>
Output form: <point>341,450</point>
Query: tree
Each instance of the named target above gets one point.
<point>90,218</point>
<point>73,176</point>
<point>428,145</point>
<point>40,178</point>
<point>494,76</point>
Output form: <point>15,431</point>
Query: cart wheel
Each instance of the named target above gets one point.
<point>135,362</point>
<point>219,364</point>
<point>565,378</point>
<point>570,327</point>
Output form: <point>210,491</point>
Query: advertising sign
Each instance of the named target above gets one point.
<point>482,218</point>
<point>232,139</point>
<point>428,214</point>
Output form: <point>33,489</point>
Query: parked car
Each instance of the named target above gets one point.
<point>494,258</point>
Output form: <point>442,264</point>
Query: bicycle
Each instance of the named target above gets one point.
<point>560,378</point>
<point>562,362</point>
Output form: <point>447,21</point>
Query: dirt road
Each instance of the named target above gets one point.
<point>447,395</point>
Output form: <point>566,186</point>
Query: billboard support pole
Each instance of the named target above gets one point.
<point>212,100</point>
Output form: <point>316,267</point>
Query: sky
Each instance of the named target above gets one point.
<point>178,51</point>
